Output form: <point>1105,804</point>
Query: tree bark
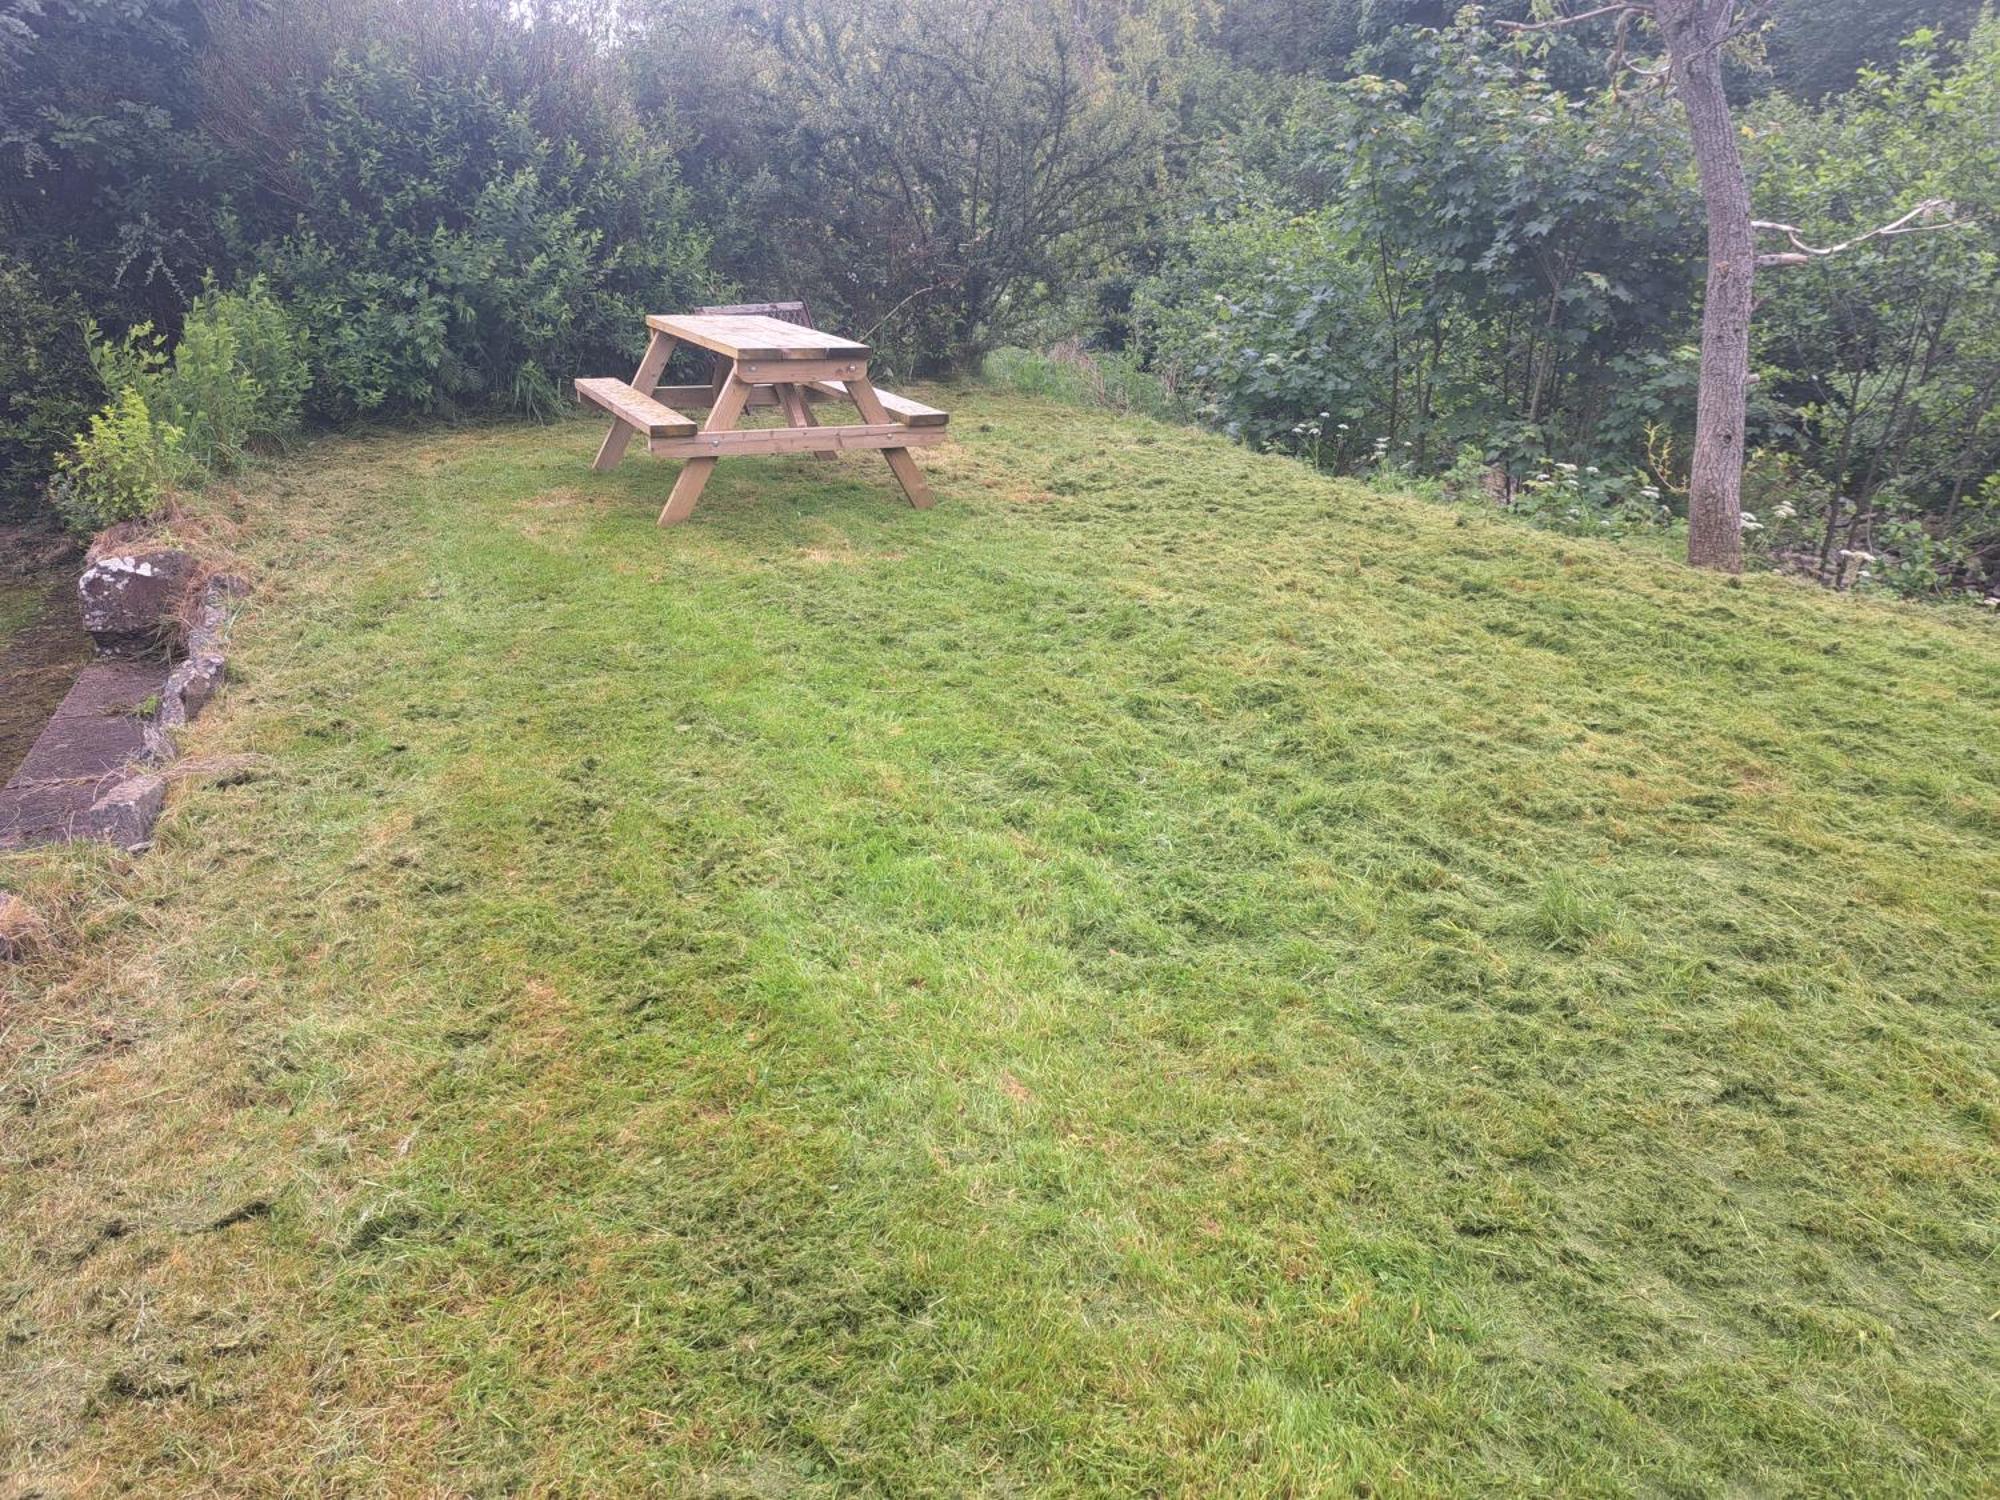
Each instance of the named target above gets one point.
<point>1695,31</point>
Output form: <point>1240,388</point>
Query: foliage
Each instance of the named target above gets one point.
<point>1583,500</point>
<point>1271,316</point>
<point>1470,255</point>
<point>443,242</point>
<point>107,182</point>
<point>1216,984</point>
<point>46,385</point>
<point>1108,379</point>
<point>235,378</point>
<point>453,226</point>
<point>1885,361</point>
<point>1820,47</point>
<point>1800,524</point>
<point>121,468</point>
<point>928,176</point>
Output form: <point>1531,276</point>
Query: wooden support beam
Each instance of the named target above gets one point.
<point>798,411</point>
<point>729,404</point>
<point>904,467</point>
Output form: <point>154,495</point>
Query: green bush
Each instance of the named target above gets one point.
<point>122,468</point>
<point>235,379</point>
<point>1462,255</point>
<point>445,241</point>
<point>1273,318</point>
<point>238,376</point>
<point>47,389</point>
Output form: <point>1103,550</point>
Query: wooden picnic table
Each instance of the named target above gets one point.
<point>757,361</point>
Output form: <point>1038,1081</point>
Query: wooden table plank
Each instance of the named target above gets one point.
<point>742,336</point>
<point>637,410</point>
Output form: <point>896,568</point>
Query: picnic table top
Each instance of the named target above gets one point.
<point>754,336</point>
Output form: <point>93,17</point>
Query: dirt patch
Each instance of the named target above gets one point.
<point>42,647</point>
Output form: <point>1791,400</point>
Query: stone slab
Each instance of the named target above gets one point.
<point>79,757</point>
<point>45,815</point>
<point>97,728</point>
<point>110,688</point>
<point>90,773</point>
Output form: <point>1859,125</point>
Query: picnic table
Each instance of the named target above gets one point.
<point>757,360</point>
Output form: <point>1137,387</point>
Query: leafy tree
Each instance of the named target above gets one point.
<point>1695,34</point>
<point>1468,255</point>
<point>107,185</point>
<point>1820,47</point>
<point>929,177</point>
<point>1888,357</point>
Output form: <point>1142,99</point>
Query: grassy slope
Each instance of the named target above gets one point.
<point>1165,974</point>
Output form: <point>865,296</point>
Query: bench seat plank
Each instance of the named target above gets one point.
<point>750,441</point>
<point>637,410</point>
<point>902,408</point>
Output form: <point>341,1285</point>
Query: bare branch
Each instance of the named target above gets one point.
<point>1920,220</point>
<point>1622,8</point>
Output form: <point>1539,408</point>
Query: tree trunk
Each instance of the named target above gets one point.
<point>1695,30</point>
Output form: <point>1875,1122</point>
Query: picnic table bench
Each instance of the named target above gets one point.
<point>757,360</point>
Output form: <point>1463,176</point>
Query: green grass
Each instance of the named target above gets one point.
<point>18,605</point>
<point>22,601</point>
<point>1164,974</point>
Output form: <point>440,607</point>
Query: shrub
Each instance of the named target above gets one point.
<point>1583,500</point>
<point>238,376</point>
<point>445,241</point>
<point>235,379</point>
<point>121,468</point>
<point>46,386</point>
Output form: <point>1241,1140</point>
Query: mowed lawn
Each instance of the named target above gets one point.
<point>1165,974</point>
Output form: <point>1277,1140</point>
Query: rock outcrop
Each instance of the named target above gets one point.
<point>134,598</point>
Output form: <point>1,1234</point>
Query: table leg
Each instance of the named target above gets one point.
<point>799,412</point>
<point>658,351</point>
<point>730,400</point>
<point>901,463</point>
